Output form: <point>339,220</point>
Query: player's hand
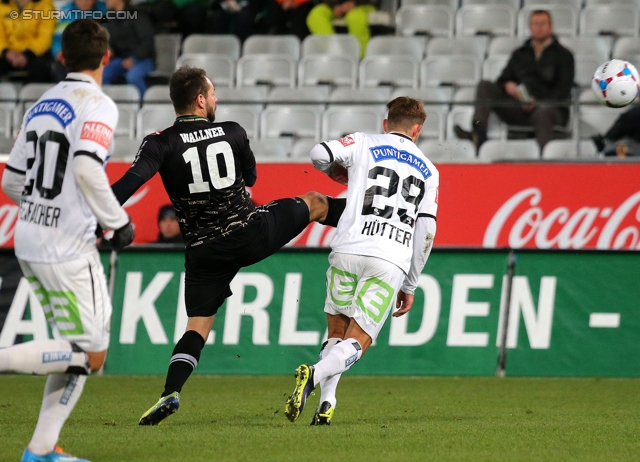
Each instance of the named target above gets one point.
<point>511,89</point>
<point>122,237</point>
<point>404,302</point>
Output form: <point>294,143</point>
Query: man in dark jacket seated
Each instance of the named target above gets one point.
<point>132,45</point>
<point>539,71</point>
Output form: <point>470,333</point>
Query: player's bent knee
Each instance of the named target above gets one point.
<point>318,205</point>
<point>96,360</point>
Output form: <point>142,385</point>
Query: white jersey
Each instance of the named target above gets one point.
<point>391,184</point>
<point>73,118</point>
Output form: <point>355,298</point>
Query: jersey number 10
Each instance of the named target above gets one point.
<point>220,163</point>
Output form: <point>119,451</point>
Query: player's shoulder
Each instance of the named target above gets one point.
<point>231,128</point>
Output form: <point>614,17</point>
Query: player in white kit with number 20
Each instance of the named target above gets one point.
<point>382,243</point>
<point>55,172</point>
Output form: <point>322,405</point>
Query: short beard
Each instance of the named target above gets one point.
<point>211,114</point>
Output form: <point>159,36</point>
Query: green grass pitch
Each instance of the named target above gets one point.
<point>241,418</point>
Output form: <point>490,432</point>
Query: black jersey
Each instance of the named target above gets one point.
<point>203,166</point>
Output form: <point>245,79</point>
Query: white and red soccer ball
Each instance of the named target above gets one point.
<point>616,83</point>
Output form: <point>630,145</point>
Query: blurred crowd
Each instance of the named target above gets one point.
<point>30,42</point>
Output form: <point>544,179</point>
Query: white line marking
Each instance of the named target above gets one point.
<point>604,320</point>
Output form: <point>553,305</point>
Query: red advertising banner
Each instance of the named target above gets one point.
<point>566,206</point>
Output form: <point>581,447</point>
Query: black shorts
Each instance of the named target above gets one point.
<point>210,267</point>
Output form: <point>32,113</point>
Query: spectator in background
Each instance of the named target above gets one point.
<point>239,17</point>
<point>540,70</point>
<point>72,11</point>
<point>132,46</point>
<point>623,137</point>
<point>354,12</point>
<point>25,42</point>
<point>288,17</point>
<point>169,226</point>
<point>189,15</point>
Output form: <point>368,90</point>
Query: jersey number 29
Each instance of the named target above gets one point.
<point>220,163</point>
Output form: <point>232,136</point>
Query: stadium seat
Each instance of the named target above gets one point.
<point>228,95</point>
<point>577,4</point>
<point>127,98</point>
<point>331,45</point>
<point>287,45</point>
<point>486,19</point>
<point>435,123</point>
<point>627,48</point>
<point>463,114</point>
<point>512,3</point>
<point>493,67</point>
<point>125,149</point>
<point>610,2</point>
<point>399,71</point>
<point>318,95</point>
<point>221,69</point>
<point>452,4</point>
<point>332,70</point>
<point>499,150</point>
<point>595,118</point>
<point>276,70</point>
<point>247,115</point>
<point>381,95</point>
<point>448,151</point>
<point>564,17</point>
<point>504,46</point>
<point>428,95</point>
<point>458,46</point>
<point>339,121</point>
<point>8,99</point>
<point>167,48</point>
<point>569,149</point>
<point>157,94</point>
<point>599,47</point>
<point>616,20</point>
<point>295,121</point>
<point>302,148</point>
<point>271,149</point>
<point>450,70</point>
<point>384,45</point>
<point>153,118</point>
<point>227,44</point>
<point>585,66</point>
<point>432,20</point>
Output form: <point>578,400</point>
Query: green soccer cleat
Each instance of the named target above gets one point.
<point>165,406</point>
<point>304,387</point>
<point>324,414</point>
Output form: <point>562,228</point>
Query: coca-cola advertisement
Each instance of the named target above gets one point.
<point>543,205</point>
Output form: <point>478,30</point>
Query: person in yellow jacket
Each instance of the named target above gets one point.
<point>354,12</point>
<point>26,31</point>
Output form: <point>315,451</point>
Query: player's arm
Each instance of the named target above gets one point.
<point>335,157</point>
<point>423,235</point>
<point>15,171</point>
<point>146,164</point>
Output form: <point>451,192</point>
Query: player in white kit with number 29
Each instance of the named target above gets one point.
<point>382,243</point>
<point>55,172</point>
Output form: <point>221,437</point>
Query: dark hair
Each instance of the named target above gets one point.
<point>185,85</point>
<point>405,112</point>
<point>84,43</point>
<point>534,12</point>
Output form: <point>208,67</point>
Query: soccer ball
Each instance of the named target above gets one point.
<point>616,83</point>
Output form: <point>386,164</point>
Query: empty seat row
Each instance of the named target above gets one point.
<point>498,19</point>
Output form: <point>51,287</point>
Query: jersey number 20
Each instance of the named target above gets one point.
<point>220,163</point>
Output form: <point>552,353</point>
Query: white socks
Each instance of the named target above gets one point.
<point>42,357</point>
<point>339,359</point>
<point>61,394</point>
<point>329,385</point>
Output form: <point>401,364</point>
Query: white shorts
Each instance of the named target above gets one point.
<point>74,298</point>
<point>362,288</point>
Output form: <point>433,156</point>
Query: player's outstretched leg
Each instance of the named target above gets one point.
<point>304,387</point>
<point>323,414</point>
<point>165,406</point>
<point>57,455</point>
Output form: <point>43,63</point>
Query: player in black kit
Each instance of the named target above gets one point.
<point>205,167</point>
